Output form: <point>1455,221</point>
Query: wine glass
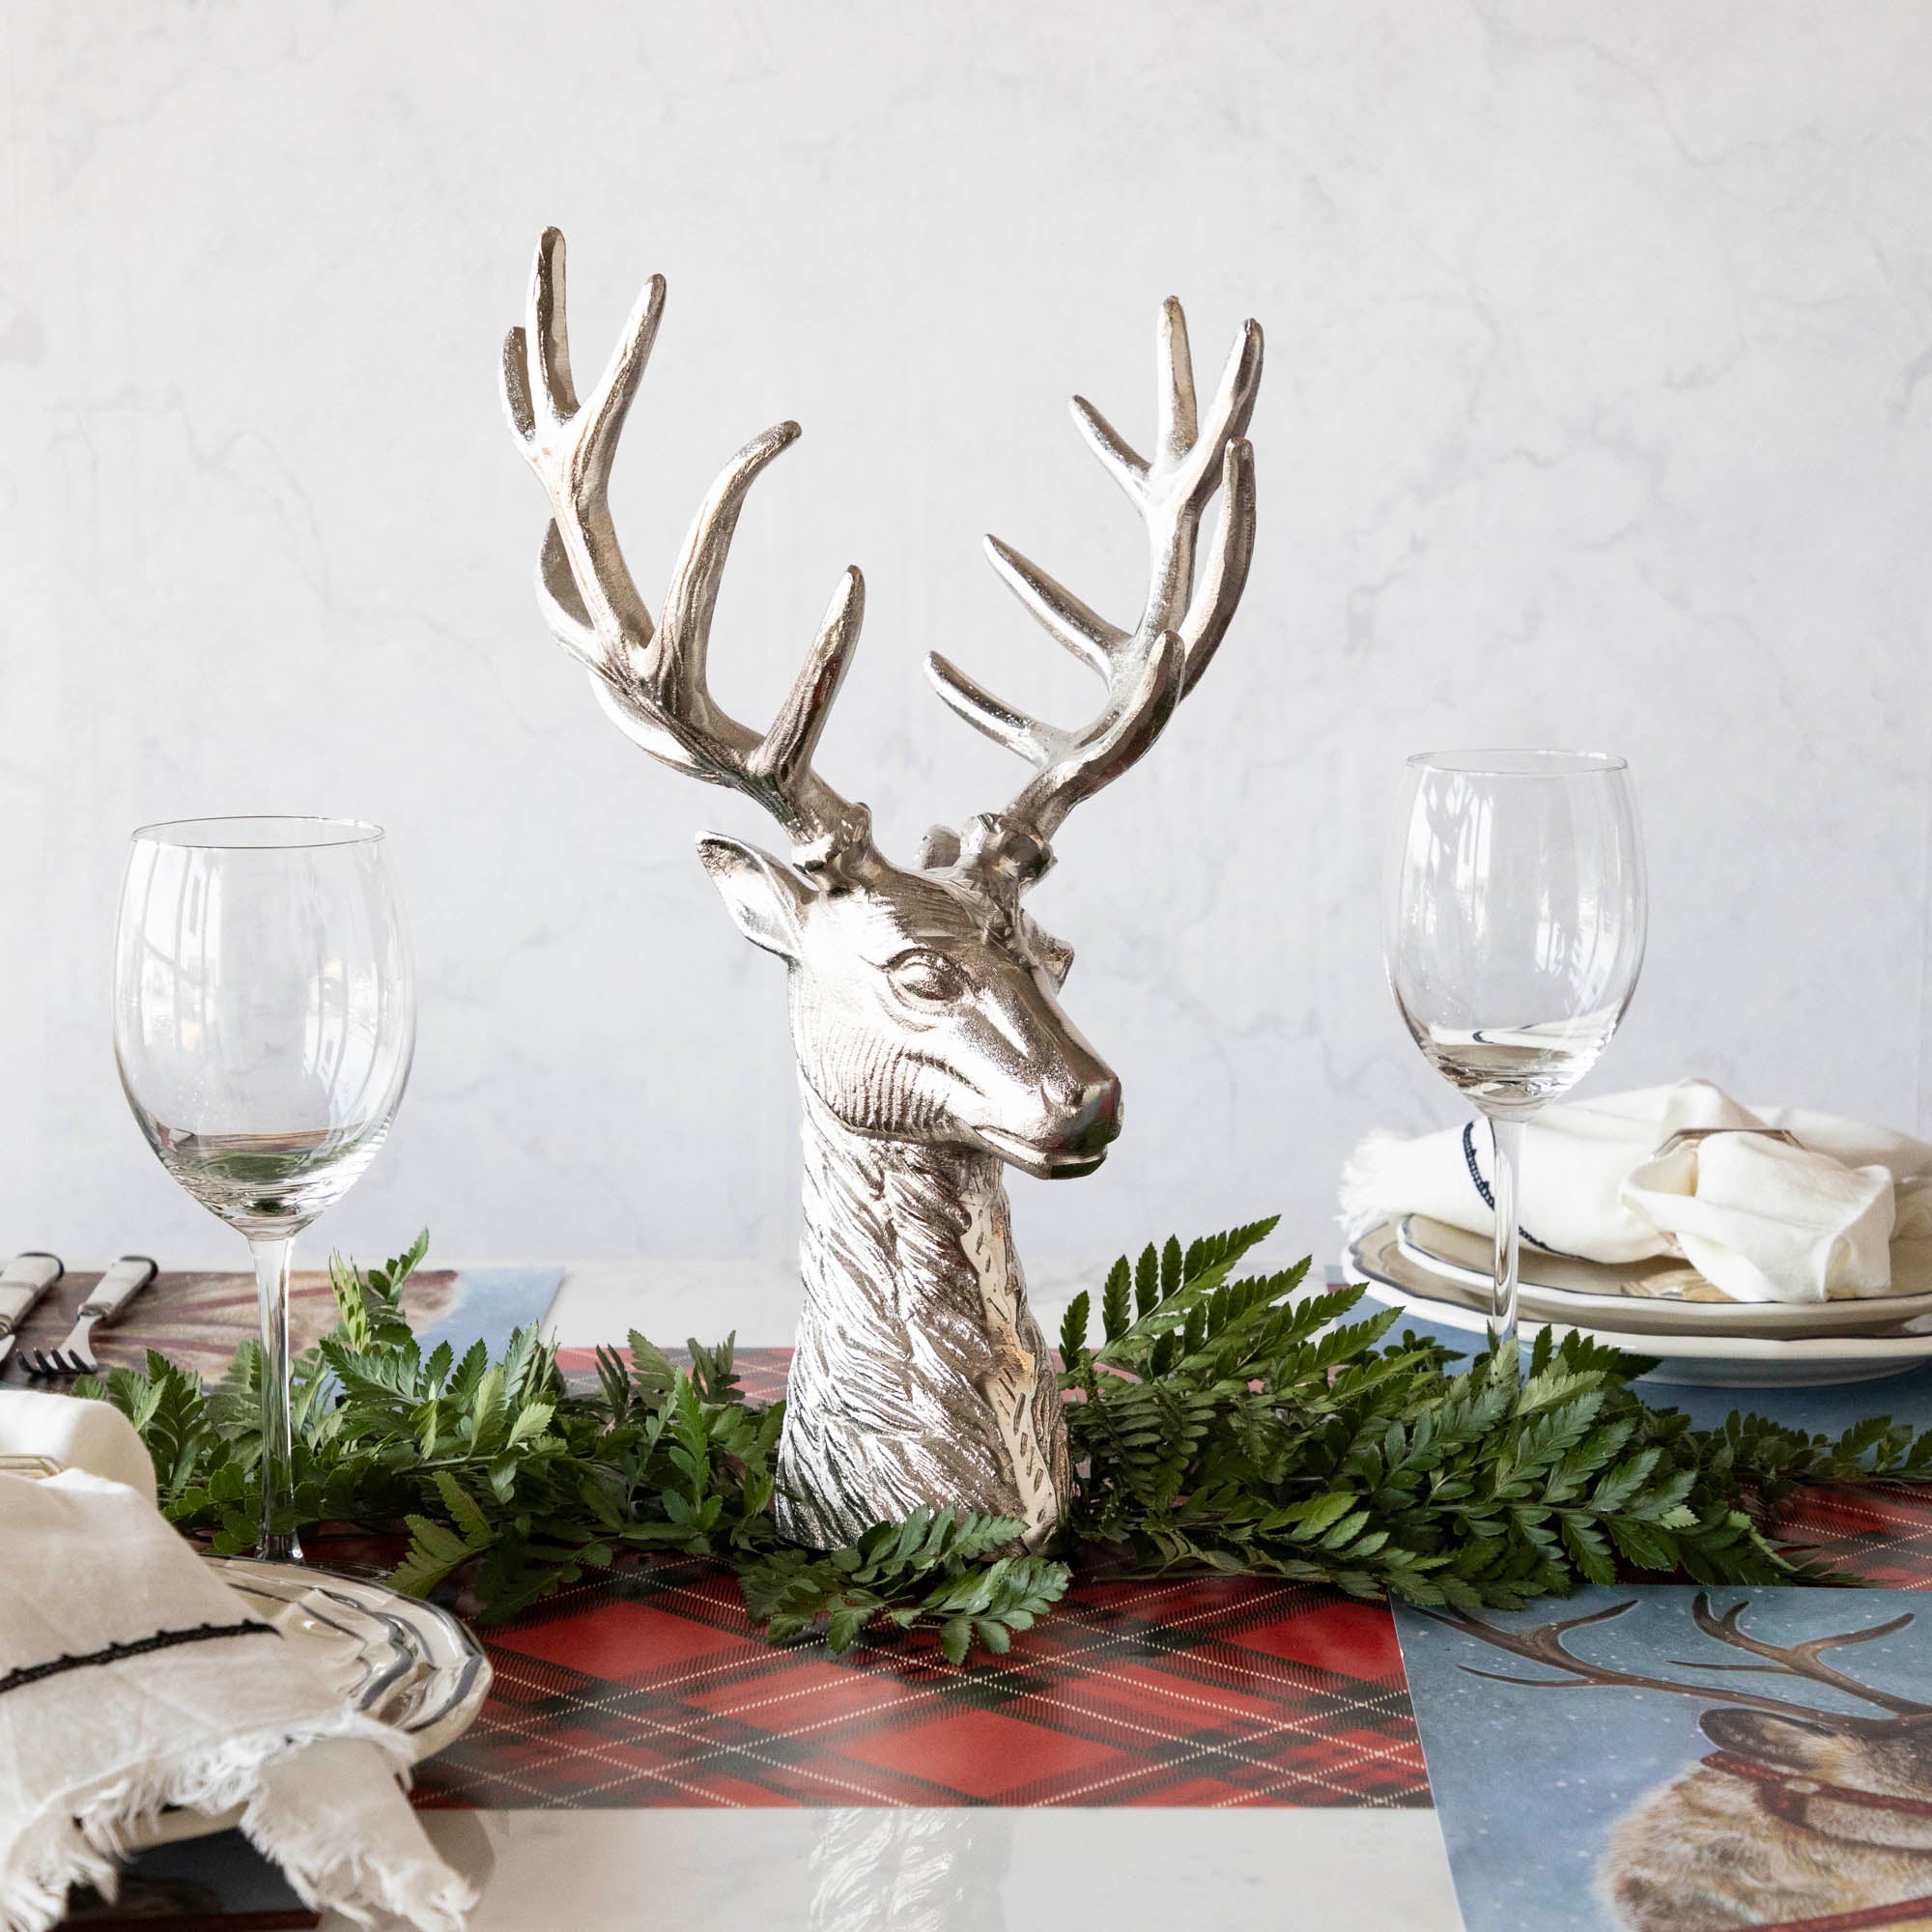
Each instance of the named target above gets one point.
<point>263,1022</point>
<point>1513,931</point>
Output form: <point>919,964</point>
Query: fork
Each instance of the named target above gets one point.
<point>23,1283</point>
<point>112,1292</point>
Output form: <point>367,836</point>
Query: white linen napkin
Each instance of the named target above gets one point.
<point>130,1679</point>
<point>41,1435</point>
<point>1763,1220</point>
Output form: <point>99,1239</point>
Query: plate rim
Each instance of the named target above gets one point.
<point>1682,1346</point>
<point>1769,1319</point>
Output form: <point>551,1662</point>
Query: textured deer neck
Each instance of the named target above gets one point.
<point>914,1319</point>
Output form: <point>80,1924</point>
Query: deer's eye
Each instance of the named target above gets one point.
<point>928,975</point>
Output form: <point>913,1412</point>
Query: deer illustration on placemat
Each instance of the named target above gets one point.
<point>932,1047</point>
<point>1807,1817</point>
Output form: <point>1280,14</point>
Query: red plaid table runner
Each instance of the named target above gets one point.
<point>1881,1533</point>
<point>651,1688</point>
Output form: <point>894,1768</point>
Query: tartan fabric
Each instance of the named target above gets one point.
<point>1881,1532</point>
<point>651,1688</point>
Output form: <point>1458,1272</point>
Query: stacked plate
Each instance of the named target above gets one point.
<point>1661,1308</point>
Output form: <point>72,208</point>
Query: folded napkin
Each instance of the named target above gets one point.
<point>1763,1220</point>
<point>41,1435</point>
<point>130,1679</point>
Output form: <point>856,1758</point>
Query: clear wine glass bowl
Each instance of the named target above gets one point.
<point>1513,929</point>
<point>264,1023</point>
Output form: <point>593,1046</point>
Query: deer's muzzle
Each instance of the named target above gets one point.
<point>1078,1142</point>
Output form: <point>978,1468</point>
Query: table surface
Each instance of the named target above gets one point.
<point>1231,1751</point>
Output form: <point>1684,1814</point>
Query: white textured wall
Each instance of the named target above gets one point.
<point>1597,412</point>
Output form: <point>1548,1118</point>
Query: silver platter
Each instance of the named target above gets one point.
<point>399,1658</point>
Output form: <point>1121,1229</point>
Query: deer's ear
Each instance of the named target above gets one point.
<point>1054,956</point>
<point>1787,1744</point>
<point>765,896</point>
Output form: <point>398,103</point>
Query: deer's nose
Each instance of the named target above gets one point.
<point>1095,1119</point>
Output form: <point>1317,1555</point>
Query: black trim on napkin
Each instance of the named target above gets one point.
<point>113,1652</point>
<point>1490,1200</point>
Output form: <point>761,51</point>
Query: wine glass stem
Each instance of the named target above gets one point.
<point>272,1290</point>
<point>1506,1139</point>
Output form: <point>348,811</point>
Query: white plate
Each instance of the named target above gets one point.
<point>398,1658</point>
<point>1659,1298</point>
<point>1719,1361</point>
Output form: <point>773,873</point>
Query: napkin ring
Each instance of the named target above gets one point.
<point>1691,1136</point>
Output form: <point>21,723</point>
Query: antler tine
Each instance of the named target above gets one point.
<point>1063,615</point>
<point>1213,610</point>
<point>999,721</point>
<point>652,679</point>
<point>1177,428</point>
<point>786,750</point>
<point>584,584</point>
<point>1149,668</point>
<point>679,662</point>
<point>1799,1659</point>
<point>1543,1644</point>
<point>1128,467</point>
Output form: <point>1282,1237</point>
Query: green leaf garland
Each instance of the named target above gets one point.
<point>1241,1426</point>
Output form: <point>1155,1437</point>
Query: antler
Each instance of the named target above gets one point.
<point>652,679</point>
<point>1801,1660</point>
<point>1543,1644</point>
<point>1149,668</point>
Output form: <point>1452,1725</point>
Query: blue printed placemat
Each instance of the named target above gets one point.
<point>1723,1758</point>
<point>487,1303</point>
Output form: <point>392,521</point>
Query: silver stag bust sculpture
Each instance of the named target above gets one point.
<point>932,1047</point>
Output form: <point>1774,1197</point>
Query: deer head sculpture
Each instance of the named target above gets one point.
<point>932,1047</point>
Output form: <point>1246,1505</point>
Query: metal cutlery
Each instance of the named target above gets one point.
<point>23,1283</point>
<point>112,1292</point>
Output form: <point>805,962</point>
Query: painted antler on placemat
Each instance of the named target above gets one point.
<point>932,1047</point>
<point>1544,1643</point>
<point>1807,1817</point>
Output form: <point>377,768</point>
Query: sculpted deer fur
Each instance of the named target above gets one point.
<point>933,1048</point>
<point>1802,1817</point>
